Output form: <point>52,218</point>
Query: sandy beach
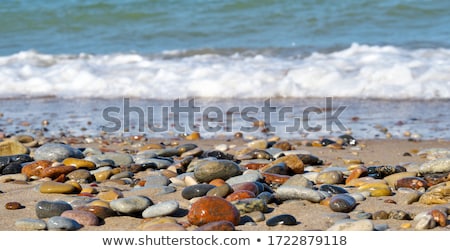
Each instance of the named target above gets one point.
<point>309,215</point>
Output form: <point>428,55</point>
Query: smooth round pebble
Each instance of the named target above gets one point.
<point>47,209</point>
<point>84,218</point>
<point>211,208</point>
<point>131,205</point>
<point>30,224</point>
<point>342,203</point>
<point>196,191</point>
<point>58,223</point>
<point>161,209</point>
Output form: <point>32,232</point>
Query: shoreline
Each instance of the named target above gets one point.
<point>310,216</point>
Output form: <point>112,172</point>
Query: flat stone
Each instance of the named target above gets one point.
<point>298,193</point>
<point>47,209</point>
<point>221,191</point>
<point>80,176</point>
<point>248,186</point>
<point>101,212</point>
<point>240,195</point>
<point>161,209</point>
<point>156,180</point>
<point>13,205</point>
<point>407,196</point>
<point>436,195</point>
<point>299,180</point>
<point>206,171</point>
<point>376,189</point>
<point>30,224</point>
<point>13,177</point>
<point>332,189</point>
<point>84,218</point>
<point>392,179</point>
<point>282,219</point>
<point>423,221</point>
<point>79,163</point>
<point>292,162</point>
<point>35,168</point>
<point>56,152</point>
<point>352,225</point>
<point>119,159</point>
<point>131,205</point>
<point>247,176</point>
<point>356,173</point>
<point>415,183</point>
<point>58,223</point>
<point>110,195</point>
<point>57,187</point>
<point>210,209</point>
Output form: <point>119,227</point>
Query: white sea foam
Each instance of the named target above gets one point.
<point>359,71</point>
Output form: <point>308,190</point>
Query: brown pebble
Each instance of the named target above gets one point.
<point>390,201</point>
<point>439,217</point>
<point>13,205</point>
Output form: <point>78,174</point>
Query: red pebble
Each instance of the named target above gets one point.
<point>210,209</point>
<point>240,195</point>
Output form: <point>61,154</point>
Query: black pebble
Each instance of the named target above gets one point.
<point>282,219</point>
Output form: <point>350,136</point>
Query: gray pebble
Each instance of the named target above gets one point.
<point>59,223</point>
<point>131,205</point>
<point>161,209</point>
<point>31,224</point>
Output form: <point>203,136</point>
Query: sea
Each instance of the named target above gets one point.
<point>289,68</point>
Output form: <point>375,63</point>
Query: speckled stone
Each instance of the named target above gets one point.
<point>250,205</point>
<point>282,219</point>
<point>81,176</point>
<point>30,224</point>
<point>58,223</point>
<point>441,165</point>
<point>205,171</point>
<point>210,209</point>
<point>161,209</point>
<point>298,193</point>
<point>131,205</point>
<point>84,218</point>
<point>436,195</point>
<point>406,196</point>
<point>411,182</point>
<point>56,152</point>
<point>47,209</point>
<point>198,190</point>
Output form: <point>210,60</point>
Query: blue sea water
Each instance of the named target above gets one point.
<point>98,52</point>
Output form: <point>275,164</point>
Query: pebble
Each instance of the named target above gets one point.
<point>330,177</point>
<point>56,172</point>
<point>81,176</point>
<point>110,195</point>
<point>30,224</point>
<point>240,195</point>
<point>436,178</point>
<point>13,205</point>
<point>380,215</point>
<point>258,144</point>
<point>35,168</point>
<point>342,203</point>
<point>248,186</point>
<point>57,187</point>
<point>210,209</point>
<point>411,182</point>
<point>221,191</point>
<point>379,172</point>
<point>267,197</point>
<point>440,217</point>
<point>131,205</point>
<point>441,165</point>
<point>332,189</point>
<point>434,153</point>
<point>13,177</point>
<point>352,225</point>
<point>161,209</point>
<point>47,209</point>
<point>12,168</point>
<point>198,190</point>
<point>436,195</point>
<point>247,176</point>
<point>10,147</point>
<point>79,163</point>
<point>255,216</point>
<point>376,189</point>
<point>298,193</point>
<point>101,212</point>
<point>406,196</point>
<point>119,159</point>
<point>84,218</point>
<point>206,171</point>
<point>393,178</point>
<point>217,226</point>
<point>56,152</point>
<point>356,173</point>
<point>424,221</point>
<point>250,205</point>
<point>282,219</point>
<point>292,162</point>
<point>58,223</point>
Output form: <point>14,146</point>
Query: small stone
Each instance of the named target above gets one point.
<point>156,180</point>
<point>131,205</point>
<point>57,187</point>
<point>330,177</point>
<point>55,172</point>
<point>99,211</point>
<point>84,218</point>
<point>119,159</point>
<point>13,205</point>
<point>424,221</point>
<point>56,152</point>
<point>393,178</point>
<point>110,195</point>
<point>406,196</point>
<point>59,223</point>
<point>412,182</point>
<point>250,205</point>
<point>405,225</point>
<point>161,209</point>
<point>282,219</point>
<point>299,180</point>
<point>356,173</point>
<point>439,217</point>
<point>332,189</point>
<point>193,136</point>
<point>30,224</point>
<point>217,226</point>
<point>210,209</point>
<point>240,195</point>
<point>103,175</point>
<point>257,144</point>
<point>221,191</point>
<point>342,203</point>
<point>380,215</point>
<point>437,195</point>
<point>35,168</point>
<point>80,176</point>
<point>205,171</point>
<point>198,190</point>
<point>47,209</point>
<point>79,163</point>
<point>248,186</point>
<point>399,215</point>
<point>376,189</point>
<point>293,162</point>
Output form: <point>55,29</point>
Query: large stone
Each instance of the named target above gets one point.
<point>210,209</point>
<point>12,147</point>
<point>206,171</point>
<point>435,166</point>
<point>47,209</point>
<point>56,152</point>
<point>131,205</point>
